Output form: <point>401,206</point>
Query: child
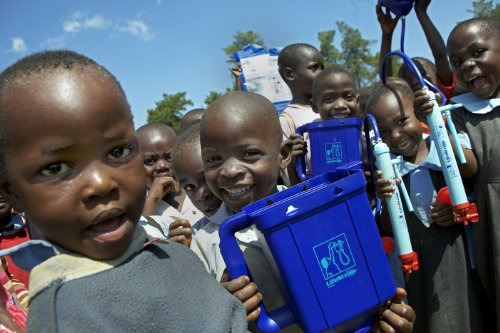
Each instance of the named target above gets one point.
<point>191,117</point>
<point>77,173</point>
<point>441,290</point>
<point>242,152</point>
<point>474,48</point>
<point>298,66</point>
<point>165,200</point>
<point>334,94</point>
<point>188,167</point>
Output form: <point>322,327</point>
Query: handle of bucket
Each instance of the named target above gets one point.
<point>370,122</point>
<point>236,265</point>
<point>300,161</point>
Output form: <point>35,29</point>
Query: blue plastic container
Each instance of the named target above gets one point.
<point>398,7</point>
<point>322,237</point>
<point>332,143</point>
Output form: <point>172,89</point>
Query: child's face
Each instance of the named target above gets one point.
<point>337,97</point>
<point>426,71</point>
<point>75,168</point>
<point>191,178</point>
<point>399,129</point>
<point>310,65</point>
<point>157,155</point>
<point>475,58</point>
<point>241,160</point>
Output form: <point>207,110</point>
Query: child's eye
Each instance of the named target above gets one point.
<point>189,187</point>
<point>168,157</point>
<point>456,63</point>
<point>350,97</point>
<point>55,169</point>
<point>211,159</point>
<point>149,161</point>
<point>478,52</point>
<point>251,153</point>
<point>402,121</point>
<point>118,153</point>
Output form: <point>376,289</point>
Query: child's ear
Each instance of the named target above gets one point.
<point>285,154</point>
<point>288,74</point>
<point>314,106</point>
<point>9,196</point>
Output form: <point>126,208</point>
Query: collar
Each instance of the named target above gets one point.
<point>474,104</point>
<point>431,162</point>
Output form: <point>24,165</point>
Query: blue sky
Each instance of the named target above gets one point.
<point>166,46</point>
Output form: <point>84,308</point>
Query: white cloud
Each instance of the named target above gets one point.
<point>54,43</point>
<point>73,23</point>
<point>96,22</point>
<point>18,45</point>
<point>137,28</point>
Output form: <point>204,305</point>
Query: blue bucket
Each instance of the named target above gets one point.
<point>322,237</point>
<point>332,143</point>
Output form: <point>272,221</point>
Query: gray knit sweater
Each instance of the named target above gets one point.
<point>163,288</point>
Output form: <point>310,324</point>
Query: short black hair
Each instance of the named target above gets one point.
<point>39,62</point>
<point>334,69</point>
<point>423,64</point>
<point>190,137</point>
<point>380,91</point>
<point>490,24</point>
<point>292,54</point>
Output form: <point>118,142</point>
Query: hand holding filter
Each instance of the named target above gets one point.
<point>408,257</point>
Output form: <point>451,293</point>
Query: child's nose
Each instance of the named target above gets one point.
<point>202,194</point>
<point>99,182</point>
<point>339,104</point>
<point>162,167</point>
<point>231,169</point>
<point>468,64</point>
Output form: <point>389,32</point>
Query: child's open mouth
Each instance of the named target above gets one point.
<point>478,83</point>
<point>108,226</point>
<point>237,192</point>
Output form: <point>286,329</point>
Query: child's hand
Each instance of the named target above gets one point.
<point>442,215</point>
<point>397,316</point>
<point>299,145</point>
<point>421,5</point>
<point>236,70</point>
<point>246,292</point>
<point>386,21</point>
<point>162,186</point>
<point>383,186</point>
<point>180,232</point>
<point>422,106</point>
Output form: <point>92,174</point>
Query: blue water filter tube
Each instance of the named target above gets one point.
<point>464,210</point>
<point>394,204</point>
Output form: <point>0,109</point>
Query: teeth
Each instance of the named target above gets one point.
<point>236,191</point>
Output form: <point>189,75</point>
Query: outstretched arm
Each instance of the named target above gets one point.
<point>436,43</point>
<point>387,24</point>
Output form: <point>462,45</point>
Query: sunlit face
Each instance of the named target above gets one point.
<point>310,65</point>
<point>241,159</point>
<point>156,147</point>
<point>475,59</point>
<point>399,128</point>
<point>76,171</point>
<point>189,172</point>
<point>336,96</point>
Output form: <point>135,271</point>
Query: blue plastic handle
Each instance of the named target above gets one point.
<point>236,265</point>
<point>300,162</point>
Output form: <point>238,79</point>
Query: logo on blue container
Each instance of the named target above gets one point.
<point>335,260</point>
<point>333,152</point>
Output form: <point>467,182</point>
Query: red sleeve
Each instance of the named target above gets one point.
<point>448,91</point>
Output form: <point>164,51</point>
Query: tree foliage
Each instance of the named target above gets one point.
<point>354,55</point>
<point>481,8</point>
<point>169,109</point>
<point>212,96</point>
<point>240,38</point>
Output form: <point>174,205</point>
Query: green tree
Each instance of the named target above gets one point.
<point>169,109</point>
<point>212,96</point>
<point>239,39</point>
<point>354,55</point>
<point>486,8</point>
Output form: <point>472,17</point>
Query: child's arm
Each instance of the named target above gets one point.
<point>246,292</point>
<point>159,189</point>
<point>442,215</point>
<point>422,107</point>
<point>180,232</point>
<point>397,316</point>
<point>387,24</point>
<point>384,190</point>
<point>436,43</point>
<point>236,71</point>
<point>299,147</point>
